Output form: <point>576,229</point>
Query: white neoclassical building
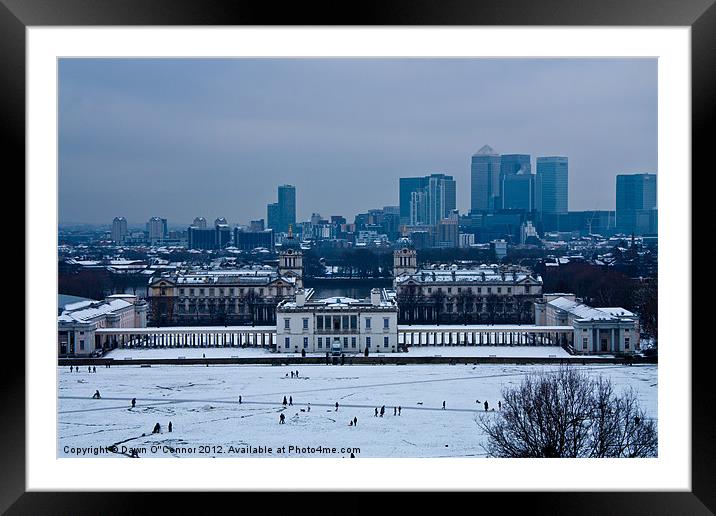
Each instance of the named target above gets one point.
<point>78,323</point>
<point>596,330</point>
<point>337,324</point>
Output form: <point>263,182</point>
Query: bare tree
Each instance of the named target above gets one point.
<point>568,414</point>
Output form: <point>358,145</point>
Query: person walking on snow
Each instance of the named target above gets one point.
<point>443,405</point>
<point>382,410</point>
<point>94,369</point>
<point>395,411</point>
<point>376,412</point>
<point>290,400</point>
<point>134,402</point>
<point>285,401</point>
<point>499,405</point>
<point>157,428</point>
<point>399,408</point>
<point>170,426</point>
<point>486,405</point>
<point>70,369</point>
<point>309,408</point>
<point>239,399</point>
<point>291,374</point>
<point>96,395</point>
<point>336,406</point>
<point>355,421</point>
<point>281,419</point>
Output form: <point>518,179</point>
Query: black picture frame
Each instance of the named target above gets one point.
<point>17,15</point>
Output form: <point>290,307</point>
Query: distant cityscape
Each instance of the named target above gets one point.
<point>510,206</point>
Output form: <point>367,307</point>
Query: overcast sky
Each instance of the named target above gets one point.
<point>214,137</point>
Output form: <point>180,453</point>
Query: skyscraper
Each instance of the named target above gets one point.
<point>408,185</point>
<point>273,217</point>
<point>518,191</point>
<point>485,180</point>
<point>552,184</point>
<point>119,229</point>
<point>286,206</point>
<point>199,222</point>
<point>513,163</point>
<point>429,199</point>
<point>155,229</point>
<point>636,203</point>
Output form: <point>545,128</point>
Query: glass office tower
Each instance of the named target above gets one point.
<point>552,184</point>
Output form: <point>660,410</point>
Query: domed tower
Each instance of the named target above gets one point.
<point>405,258</point>
<point>290,261</point>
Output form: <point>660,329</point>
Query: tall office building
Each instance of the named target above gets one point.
<point>552,184</point>
<point>518,191</point>
<point>511,164</point>
<point>286,206</point>
<point>636,203</point>
<point>155,229</point>
<point>119,229</point>
<point>485,180</point>
<point>199,222</point>
<point>429,199</point>
<point>272,216</point>
<point>408,185</point>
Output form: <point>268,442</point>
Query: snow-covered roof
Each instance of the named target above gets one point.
<point>94,310</point>
<point>585,312</point>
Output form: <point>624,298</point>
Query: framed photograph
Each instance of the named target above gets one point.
<point>262,244</point>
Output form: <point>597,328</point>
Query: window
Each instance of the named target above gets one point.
<point>430,290</point>
<point>385,341</point>
<point>626,342</point>
<point>320,342</point>
<point>319,322</point>
<point>479,290</point>
<point>221,292</point>
<point>336,322</point>
<point>201,291</point>
<point>344,321</point>
<point>367,342</point>
<point>527,289</point>
<point>459,290</point>
<point>305,342</point>
<point>82,344</point>
<point>499,290</point>
<point>231,291</point>
<point>353,342</point>
<point>164,291</point>
<point>345,342</point>
<point>261,292</point>
<point>449,290</point>
<point>305,323</point>
<point>489,290</point>
<point>367,323</point>
<point>287,343</point>
<point>181,291</point>
<point>584,342</point>
<point>354,322</point>
<point>287,324</point>
<point>191,291</point>
<point>386,323</point>
<point>211,292</point>
<point>509,290</point>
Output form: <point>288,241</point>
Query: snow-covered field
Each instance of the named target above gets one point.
<point>415,351</point>
<point>202,404</point>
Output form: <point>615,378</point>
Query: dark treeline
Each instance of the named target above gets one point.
<point>349,263</point>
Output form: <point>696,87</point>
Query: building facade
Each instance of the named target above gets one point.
<point>552,184</point>
<point>119,230</point>
<point>596,330</point>
<point>636,204</point>
<point>247,295</point>
<point>485,180</point>
<point>488,294</point>
<point>78,322</point>
<point>337,325</point>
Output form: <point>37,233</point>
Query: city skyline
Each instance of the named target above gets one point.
<point>305,122</point>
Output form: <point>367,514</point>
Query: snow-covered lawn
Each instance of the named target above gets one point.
<point>202,404</point>
<point>415,351</point>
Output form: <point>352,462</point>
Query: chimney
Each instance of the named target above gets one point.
<point>375,297</point>
<point>300,297</point>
